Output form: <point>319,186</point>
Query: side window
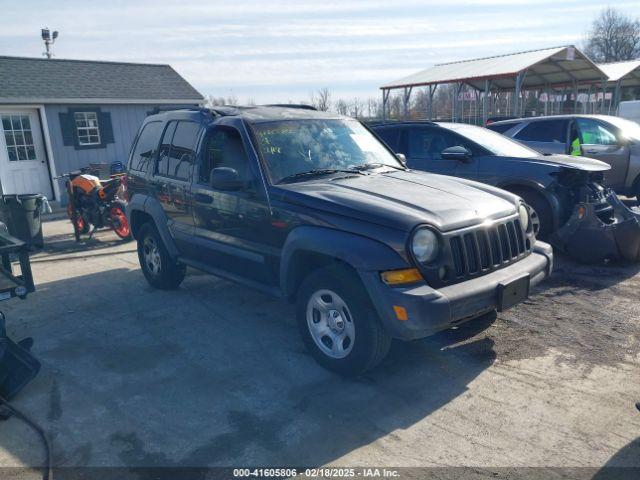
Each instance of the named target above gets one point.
<point>165,147</point>
<point>390,136</point>
<point>428,143</point>
<point>177,150</point>
<point>594,133</point>
<point>544,131</point>
<point>144,151</point>
<point>183,150</point>
<point>501,128</point>
<point>223,148</point>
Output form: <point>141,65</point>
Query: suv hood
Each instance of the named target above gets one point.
<point>578,163</point>
<point>404,199</point>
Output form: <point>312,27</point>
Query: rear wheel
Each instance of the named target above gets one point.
<point>160,270</point>
<point>338,323</point>
<point>119,221</point>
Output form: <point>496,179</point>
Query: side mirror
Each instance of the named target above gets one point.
<point>458,152</point>
<point>225,178</point>
<point>402,158</point>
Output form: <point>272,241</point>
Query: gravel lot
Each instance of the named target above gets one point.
<point>215,374</point>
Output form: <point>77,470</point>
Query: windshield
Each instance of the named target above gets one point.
<point>293,147</point>
<point>629,129</point>
<point>496,143</point>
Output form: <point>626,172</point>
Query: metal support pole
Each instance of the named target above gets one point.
<point>432,91</point>
<point>456,105</point>
<point>604,92</point>
<point>485,99</point>
<point>385,100</point>
<point>516,93</point>
<point>575,96</point>
<point>617,96</point>
<point>405,100</point>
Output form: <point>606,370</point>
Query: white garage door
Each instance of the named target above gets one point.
<point>23,167</point>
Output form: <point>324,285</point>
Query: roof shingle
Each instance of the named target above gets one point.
<point>46,80</point>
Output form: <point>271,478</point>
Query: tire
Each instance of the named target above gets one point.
<point>80,225</point>
<point>119,222</point>
<point>160,270</point>
<point>334,299</point>
<point>541,210</point>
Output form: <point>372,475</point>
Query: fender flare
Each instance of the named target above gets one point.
<point>152,207</point>
<point>553,201</point>
<point>361,253</point>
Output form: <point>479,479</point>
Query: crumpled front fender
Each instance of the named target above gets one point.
<point>587,238</point>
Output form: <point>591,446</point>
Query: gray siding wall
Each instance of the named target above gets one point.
<point>125,120</point>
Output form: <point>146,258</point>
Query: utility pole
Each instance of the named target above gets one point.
<point>48,40</point>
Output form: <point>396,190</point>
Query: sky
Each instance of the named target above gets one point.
<point>271,51</point>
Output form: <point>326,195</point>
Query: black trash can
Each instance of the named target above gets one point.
<point>21,213</point>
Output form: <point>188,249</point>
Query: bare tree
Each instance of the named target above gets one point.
<point>356,108</point>
<point>614,37</point>
<point>213,101</point>
<point>321,99</point>
<point>342,107</point>
<point>373,108</point>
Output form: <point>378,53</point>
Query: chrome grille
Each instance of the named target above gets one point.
<point>487,248</point>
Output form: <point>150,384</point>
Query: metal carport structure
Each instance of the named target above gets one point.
<point>544,70</point>
<point>620,75</point>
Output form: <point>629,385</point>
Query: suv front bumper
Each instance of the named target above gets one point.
<point>430,310</point>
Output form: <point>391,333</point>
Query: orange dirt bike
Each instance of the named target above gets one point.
<point>97,203</point>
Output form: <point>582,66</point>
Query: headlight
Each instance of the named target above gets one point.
<point>524,217</point>
<point>424,245</point>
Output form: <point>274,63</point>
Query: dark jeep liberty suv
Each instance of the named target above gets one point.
<point>311,207</point>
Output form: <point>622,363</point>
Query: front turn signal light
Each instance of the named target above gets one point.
<point>399,277</point>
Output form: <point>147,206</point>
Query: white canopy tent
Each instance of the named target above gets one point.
<point>544,70</point>
<point>620,75</point>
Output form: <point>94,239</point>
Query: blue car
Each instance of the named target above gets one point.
<point>571,208</point>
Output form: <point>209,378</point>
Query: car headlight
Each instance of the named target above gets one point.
<point>523,212</point>
<point>424,245</point>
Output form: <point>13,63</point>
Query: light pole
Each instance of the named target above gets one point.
<point>49,40</point>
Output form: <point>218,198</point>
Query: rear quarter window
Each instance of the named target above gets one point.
<point>145,147</point>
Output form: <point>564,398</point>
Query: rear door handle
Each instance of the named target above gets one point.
<point>203,198</point>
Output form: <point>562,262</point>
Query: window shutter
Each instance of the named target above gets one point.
<point>106,129</point>
<point>68,127</point>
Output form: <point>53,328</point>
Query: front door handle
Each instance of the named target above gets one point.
<point>203,198</point>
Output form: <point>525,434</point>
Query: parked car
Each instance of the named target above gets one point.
<point>311,207</point>
<point>613,140</point>
<point>571,207</point>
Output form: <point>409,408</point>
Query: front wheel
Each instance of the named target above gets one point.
<point>338,323</point>
<point>540,210</point>
<point>160,270</point>
<point>119,222</point>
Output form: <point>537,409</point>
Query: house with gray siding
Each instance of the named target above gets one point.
<point>60,115</point>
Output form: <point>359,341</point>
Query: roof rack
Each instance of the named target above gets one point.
<point>301,106</point>
<point>223,110</point>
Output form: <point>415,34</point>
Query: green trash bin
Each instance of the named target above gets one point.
<point>21,214</point>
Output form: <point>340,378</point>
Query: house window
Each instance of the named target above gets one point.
<point>87,128</point>
<point>18,137</point>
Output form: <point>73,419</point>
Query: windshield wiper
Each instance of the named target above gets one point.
<point>371,166</point>
<point>318,172</point>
